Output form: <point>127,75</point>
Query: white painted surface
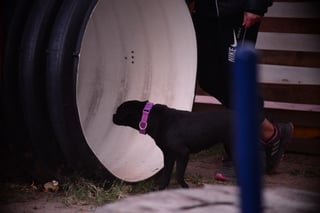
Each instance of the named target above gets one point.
<point>288,42</point>
<point>133,49</point>
<point>277,74</point>
<point>292,106</point>
<point>290,75</point>
<point>294,10</point>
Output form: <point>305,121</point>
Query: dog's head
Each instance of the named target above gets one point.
<point>129,113</point>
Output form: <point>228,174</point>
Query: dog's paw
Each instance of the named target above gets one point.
<point>183,184</point>
<point>162,187</point>
<point>157,187</point>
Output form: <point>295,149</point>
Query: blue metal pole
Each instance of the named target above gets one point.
<point>247,129</point>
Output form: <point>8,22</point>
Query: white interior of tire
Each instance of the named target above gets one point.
<point>133,49</point>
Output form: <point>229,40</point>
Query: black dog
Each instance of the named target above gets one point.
<point>177,133</point>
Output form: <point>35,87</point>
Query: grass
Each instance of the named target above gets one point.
<point>88,192</point>
<point>75,191</point>
<point>85,192</point>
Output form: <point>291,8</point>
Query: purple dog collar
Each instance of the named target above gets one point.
<point>145,114</point>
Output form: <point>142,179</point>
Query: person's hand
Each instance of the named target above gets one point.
<point>250,19</point>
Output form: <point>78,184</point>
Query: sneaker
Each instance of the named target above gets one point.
<point>270,159</point>
<point>276,146</point>
<point>227,172</point>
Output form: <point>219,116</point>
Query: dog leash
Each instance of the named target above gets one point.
<point>144,118</point>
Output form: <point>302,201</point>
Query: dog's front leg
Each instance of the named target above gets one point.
<point>167,170</point>
<point>182,162</point>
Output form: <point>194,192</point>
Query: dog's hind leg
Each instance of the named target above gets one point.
<point>169,159</point>
<point>182,161</point>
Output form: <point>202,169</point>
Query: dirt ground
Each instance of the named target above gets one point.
<point>296,171</point>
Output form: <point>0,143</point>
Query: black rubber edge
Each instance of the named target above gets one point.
<point>62,66</point>
<point>32,64</point>
<point>15,137</point>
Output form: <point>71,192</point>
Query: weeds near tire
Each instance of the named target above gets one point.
<point>87,192</point>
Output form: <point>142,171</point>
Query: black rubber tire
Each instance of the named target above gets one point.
<point>62,66</point>
<point>15,137</point>
<point>32,64</point>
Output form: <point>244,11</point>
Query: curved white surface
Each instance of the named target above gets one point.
<point>133,49</point>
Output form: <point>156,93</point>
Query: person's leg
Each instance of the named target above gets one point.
<point>267,129</point>
<point>213,74</point>
<point>215,38</point>
<point>274,137</point>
